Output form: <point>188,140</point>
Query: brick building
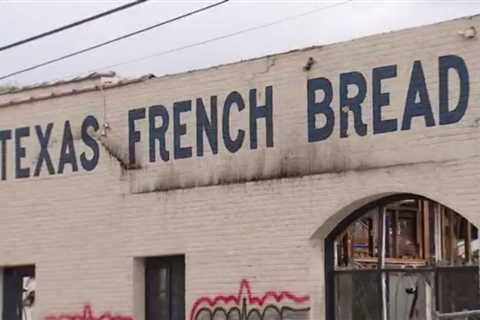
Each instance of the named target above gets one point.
<point>333,182</point>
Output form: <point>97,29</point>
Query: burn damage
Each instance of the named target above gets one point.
<point>403,258</point>
<point>173,184</point>
<point>115,152</point>
<point>233,135</point>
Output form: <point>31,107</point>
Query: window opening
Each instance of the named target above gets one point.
<point>404,258</point>
<point>18,293</point>
<point>165,288</point>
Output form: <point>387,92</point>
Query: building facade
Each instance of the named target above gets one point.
<point>335,182</point>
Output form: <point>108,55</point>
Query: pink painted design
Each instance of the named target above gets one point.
<point>87,314</point>
<point>245,290</point>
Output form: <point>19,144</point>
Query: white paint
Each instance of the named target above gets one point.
<point>94,226</point>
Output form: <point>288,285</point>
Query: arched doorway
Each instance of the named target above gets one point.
<point>404,257</point>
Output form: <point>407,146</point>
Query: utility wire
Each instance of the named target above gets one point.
<point>128,35</point>
<point>71,25</point>
<point>204,42</point>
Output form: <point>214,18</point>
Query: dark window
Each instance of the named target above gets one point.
<point>457,289</point>
<point>404,257</point>
<point>165,288</point>
<point>18,292</point>
<point>362,298</point>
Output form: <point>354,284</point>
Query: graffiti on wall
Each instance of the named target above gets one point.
<point>88,314</point>
<point>272,305</point>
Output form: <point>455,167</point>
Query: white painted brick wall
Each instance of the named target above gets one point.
<point>84,231</point>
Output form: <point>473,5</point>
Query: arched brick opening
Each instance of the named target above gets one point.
<point>396,256</point>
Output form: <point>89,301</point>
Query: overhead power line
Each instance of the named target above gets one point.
<point>123,37</point>
<point>71,25</point>
<point>222,37</point>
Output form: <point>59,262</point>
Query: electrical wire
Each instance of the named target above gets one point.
<point>204,42</point>
<point>71,25</point>
<point>123,37</point>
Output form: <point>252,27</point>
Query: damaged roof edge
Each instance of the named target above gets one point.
<point>53,95</point>
<point>44,85</point>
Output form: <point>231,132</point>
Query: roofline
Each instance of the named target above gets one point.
<point>91,76</point>
<point>147,77</point>
<point>53,95</point>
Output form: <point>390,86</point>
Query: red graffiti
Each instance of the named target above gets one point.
<point>88,314</point>
<point>245,290</point>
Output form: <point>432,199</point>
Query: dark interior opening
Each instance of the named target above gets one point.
<point>18,294</point>
<point>403,257</point>
<point>165,288</point>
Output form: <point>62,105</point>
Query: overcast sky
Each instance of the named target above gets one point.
<point>20,19</point>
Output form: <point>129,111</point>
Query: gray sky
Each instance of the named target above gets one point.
<point>20,19</point>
